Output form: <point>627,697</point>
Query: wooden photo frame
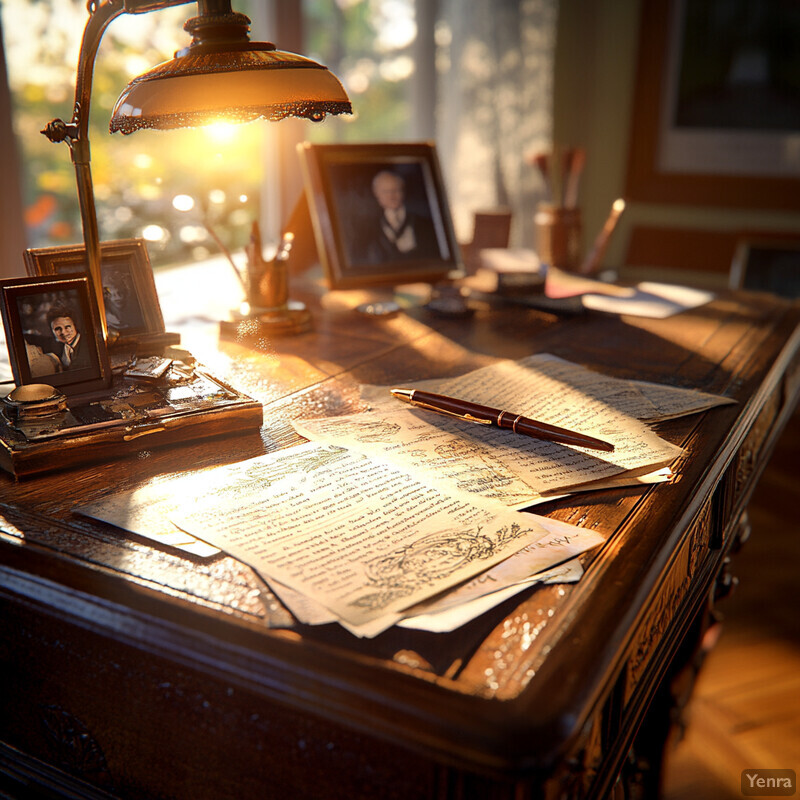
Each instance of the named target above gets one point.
<point>767,265</point>
<point>53,333</point>
<point>131,302</point>
<point>709,126</point>
<point>348,185</point>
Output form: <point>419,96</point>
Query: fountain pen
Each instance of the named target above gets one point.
<point>483,415</point>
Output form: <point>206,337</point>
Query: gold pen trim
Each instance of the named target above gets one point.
<point>407,396</point>
<point>465,417</point>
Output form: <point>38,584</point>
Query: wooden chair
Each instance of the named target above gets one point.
<point>491,228</point>
<point>767,265</point>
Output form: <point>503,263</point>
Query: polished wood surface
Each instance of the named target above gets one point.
<point>189,679</point>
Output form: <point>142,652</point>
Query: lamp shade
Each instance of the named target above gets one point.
<point>196,88</point>
<point>223,76</point>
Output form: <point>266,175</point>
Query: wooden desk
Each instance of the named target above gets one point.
<point>135,672</point>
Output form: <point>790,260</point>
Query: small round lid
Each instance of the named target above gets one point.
<point>32,393</point>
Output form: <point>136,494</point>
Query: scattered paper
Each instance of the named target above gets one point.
<point>452,617</point>
<point>649,402</point>
<point>646,299</point>
<point>654,300</point>
<point>362,539</point>
<point>146,512</point>
<point>669,402</point>
<point>532,560</point>
<point>511,259</point>
<point>460,605</point>
<point>499,465</point>
<point>411,524</point>
<point>560,284</point>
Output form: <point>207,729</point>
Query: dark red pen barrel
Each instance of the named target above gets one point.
<point>504,419</point>
<point>542,430</point>
<point>528,427</point>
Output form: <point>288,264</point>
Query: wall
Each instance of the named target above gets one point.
<point>594,83</point>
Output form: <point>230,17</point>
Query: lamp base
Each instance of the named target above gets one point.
<point>288,320</point>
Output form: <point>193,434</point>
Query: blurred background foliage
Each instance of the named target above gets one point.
<point>170,187</point>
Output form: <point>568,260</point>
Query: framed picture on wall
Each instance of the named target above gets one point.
<point>716,114</point>
<point>379,213</point>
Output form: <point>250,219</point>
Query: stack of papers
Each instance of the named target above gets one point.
<point>499,465</point>
<point>520,269</point>
<point>401,516</point>
<point>341,537</point>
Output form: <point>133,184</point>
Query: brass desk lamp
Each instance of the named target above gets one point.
<point>220,76</point>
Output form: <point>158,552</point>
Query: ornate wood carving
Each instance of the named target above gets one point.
<point>748,457</point>
<point>669,598</point>
<point>74,748</point>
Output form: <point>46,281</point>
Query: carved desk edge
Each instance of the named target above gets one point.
<point>707,529</point>
<point>687,586</point>
<point>356,676</point>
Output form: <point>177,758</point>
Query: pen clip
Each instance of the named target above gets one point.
<point>465,417</point>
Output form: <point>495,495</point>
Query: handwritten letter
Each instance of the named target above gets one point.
<point>484,461</point>
<point>364,540</point>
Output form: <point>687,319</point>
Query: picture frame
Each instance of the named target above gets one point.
<point>356,243</point>
<point>132,308</point>
<point>703,137</point>
<point>41,316</point>
<point>767,264</point>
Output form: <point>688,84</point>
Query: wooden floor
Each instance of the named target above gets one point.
<point>745,710</point>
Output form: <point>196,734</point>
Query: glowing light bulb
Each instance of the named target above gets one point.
<point>142,161</point>
<point>221,132</point>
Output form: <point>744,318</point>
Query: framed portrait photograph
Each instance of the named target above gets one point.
<point>53,333</point>
<point>129,291</point>
<point>379,213</point>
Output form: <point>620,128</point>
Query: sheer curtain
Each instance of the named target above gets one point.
<point>495,105</point>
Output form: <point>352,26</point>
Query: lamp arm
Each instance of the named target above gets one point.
<point>76,135</point>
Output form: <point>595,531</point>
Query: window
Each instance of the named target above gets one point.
<point>371,47</point>
<point>490,61</point>
<point>148,184</point>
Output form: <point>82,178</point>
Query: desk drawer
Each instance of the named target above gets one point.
<point>138,726</point>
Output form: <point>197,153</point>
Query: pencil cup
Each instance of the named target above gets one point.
<point>558,236</point>
<point>273,288</point>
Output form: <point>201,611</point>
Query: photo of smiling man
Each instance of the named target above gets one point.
<point>71,350</point>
